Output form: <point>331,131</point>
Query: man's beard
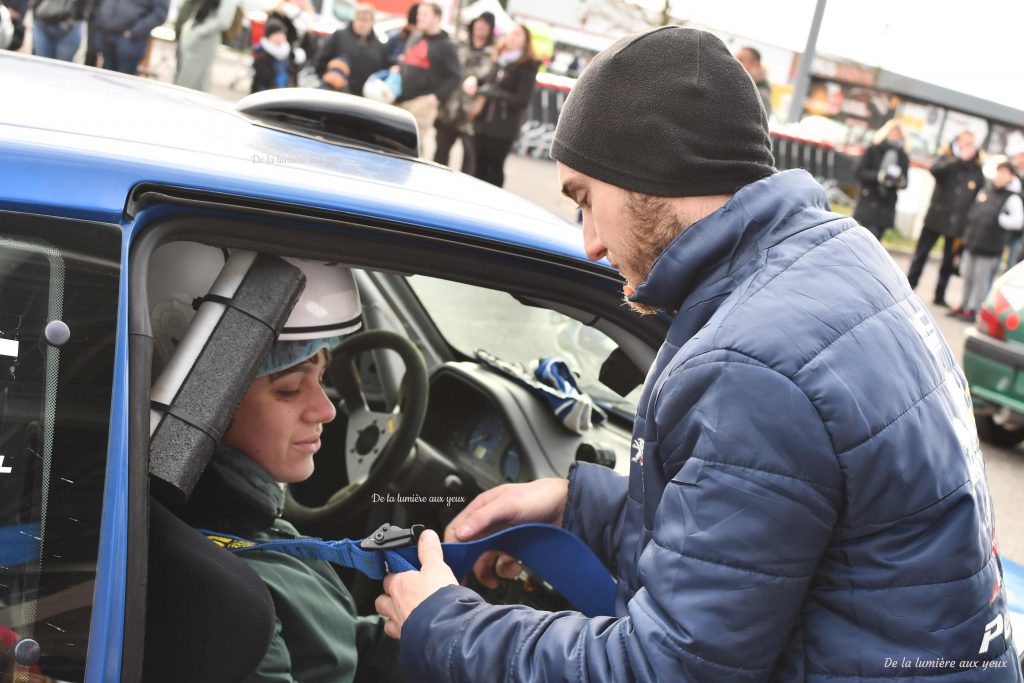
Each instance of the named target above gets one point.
<point>653,225</point>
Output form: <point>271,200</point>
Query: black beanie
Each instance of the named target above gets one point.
<point>669,113</point>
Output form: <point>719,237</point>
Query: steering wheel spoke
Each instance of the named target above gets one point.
<point>368,435</point>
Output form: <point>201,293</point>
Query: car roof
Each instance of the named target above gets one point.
<point>75,140</point>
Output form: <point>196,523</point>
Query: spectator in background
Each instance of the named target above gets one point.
<point>397,40</point>
<point>274,63</point>
<point>200,37</point>
<point>958,178</point>
<point>453,121</point>
<point>751,61</point>
<point>505,95</point>
<point>359,46</point>
<point>293,14</point>
<point>15,31</point>
<point>431,73</point>
<point>6,27</point>
<point>57,28</point>
<point>1013,235</point>
<point>996,211</point>
<point>122,30</point>
<point>882,171</point>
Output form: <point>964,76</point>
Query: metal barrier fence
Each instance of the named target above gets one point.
<point>833,169</point>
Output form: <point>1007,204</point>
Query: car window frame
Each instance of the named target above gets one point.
<point>160,214</point>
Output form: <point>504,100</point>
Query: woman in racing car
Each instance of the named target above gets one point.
<point>271,441</point>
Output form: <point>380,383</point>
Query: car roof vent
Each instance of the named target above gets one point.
<point>334,117</point>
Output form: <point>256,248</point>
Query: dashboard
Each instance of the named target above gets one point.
<point>497,431</point>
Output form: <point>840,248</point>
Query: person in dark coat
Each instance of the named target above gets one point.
<point>122,30</point>
<point>882,171</point>
<point>506,92</point>
<point>477,56</point>
<point>996,211</point>
<point>958,178</point>
<point>359,46</point>
<point>806,499</point>
<point>274,64</point>
<point>431,73</point>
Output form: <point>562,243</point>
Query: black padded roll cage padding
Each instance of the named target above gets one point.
<point>182,444</point>
<point>254,223</point>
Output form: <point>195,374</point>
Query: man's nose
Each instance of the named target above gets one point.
<point>593,247</point>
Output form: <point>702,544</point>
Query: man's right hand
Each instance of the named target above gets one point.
<point>504,506</point>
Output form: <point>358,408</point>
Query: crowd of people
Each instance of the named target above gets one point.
<point>473,88</point>
<point>978,221</point>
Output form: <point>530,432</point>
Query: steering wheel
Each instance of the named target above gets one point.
<point>376,443</point>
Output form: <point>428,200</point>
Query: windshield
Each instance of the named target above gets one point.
<point>474,318</point>
<point>58,303</point>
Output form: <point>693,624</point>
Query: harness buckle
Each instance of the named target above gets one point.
<point>389,536</point>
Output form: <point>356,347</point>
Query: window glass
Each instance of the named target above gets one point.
<point>474,318</point>
<point>54,419</point>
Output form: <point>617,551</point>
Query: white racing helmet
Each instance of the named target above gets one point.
<point>182,273</point>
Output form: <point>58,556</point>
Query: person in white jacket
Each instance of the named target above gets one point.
<point>199,39</point>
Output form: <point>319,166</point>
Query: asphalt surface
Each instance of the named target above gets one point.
<point>536,180</point>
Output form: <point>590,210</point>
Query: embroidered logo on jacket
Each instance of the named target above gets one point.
<point>638,446</point>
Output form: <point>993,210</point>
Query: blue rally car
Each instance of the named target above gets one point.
<point>468,285</point>
<point>116,190</point>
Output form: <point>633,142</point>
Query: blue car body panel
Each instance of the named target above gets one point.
<point>107,626</point>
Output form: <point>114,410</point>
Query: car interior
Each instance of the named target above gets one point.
<point>436,403</point>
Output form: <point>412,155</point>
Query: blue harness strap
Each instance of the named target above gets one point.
<point>554,554</point>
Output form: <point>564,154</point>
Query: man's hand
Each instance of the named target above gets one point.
<point>403,592</point>
<point>542,500</point>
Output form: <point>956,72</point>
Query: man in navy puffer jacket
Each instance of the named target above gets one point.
<point>807,499</point>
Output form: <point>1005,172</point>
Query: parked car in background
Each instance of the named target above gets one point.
<point>994,361</point>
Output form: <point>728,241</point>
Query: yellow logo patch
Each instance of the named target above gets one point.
<point>230,543</point>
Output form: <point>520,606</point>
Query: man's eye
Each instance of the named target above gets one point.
<point>287,392</point>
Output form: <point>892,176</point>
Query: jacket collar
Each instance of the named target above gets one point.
<point>710,257</point>
<point>249,483</point>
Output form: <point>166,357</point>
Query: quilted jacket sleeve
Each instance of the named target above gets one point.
<point>594,509</point>
<point>752,491</point>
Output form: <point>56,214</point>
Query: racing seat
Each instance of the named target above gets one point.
<point>209,616</point>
